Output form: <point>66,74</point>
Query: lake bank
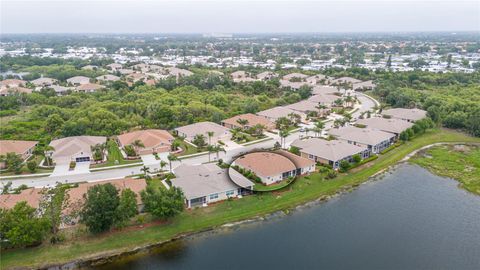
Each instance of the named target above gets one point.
<point>301,192</point>
<point>408,219</point>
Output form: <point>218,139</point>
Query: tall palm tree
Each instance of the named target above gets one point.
<point>171,158</point>
<point>210,149</point>
<point>210,135</point>
<point>283,134</point>
<point>319,125</point>
<point>162,164</point>
<point>145,170</point>
<point>217,149</point>
<point>47,150</point>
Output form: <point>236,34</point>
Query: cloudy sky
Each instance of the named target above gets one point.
<point>229,16</point>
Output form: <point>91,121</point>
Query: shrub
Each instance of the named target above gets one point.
<point>356,158</point>
<point>344,165</point>
<point>32,166</point>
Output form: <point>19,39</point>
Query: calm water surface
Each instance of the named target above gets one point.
<point>409,220</point>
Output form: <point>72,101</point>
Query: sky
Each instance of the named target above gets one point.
<point>229,16</point>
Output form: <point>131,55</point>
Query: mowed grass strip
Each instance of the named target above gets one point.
<point>301,191</point>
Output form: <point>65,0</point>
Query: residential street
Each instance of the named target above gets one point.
<point>117,173</point>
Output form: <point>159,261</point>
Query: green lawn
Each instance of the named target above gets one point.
<point>460,163</point>
<point>188,149</point>
<point>25,170</point>
<point>304,189</point>
<point>273,187</point>
<point>114,154</point>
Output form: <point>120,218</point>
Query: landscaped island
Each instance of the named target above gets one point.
<point>305,189</point>
<point>460,162</point>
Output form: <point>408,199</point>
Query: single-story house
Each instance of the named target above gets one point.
<point>7,91</point>
<point>275,113</point>
<point>266,75</point>
<point>374,140</point>
<point>78,80</point>
<point>324,90</point>
<point>89,87</point>
<point>60,90</point>
<point>252,119</point>
<point>189,132</point>
<point>303,165</point>
<point>12,83</point>
<point>326,100</point>
<point>90,67</point>
<point>298,76</point>
<point>395,126</point>
<point>125,71</point>
<point>207,183</point>
<point>304,106</point>
<point>32,196</point>
<point>270,167</point>
<point>154,141</point>
<point>136,185</point>
<point>114,66</point>
<point>329,152</point>
<point>316,79</point>
<point>410,115</point>
<point>107,78</point>
<point>362,86</point>
<point>43,81</point>
<point>293,85</point>
<point>76,148</point>
<point>343,80</point>
<point>22,148</point>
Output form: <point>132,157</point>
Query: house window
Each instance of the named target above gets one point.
<point>214,196</point>
<point>230,193</point>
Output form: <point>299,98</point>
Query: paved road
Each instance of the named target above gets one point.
<point>367,104</point>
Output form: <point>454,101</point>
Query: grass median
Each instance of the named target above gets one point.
<point>304,189</point>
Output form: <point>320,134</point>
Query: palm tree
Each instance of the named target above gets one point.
<point>319,125</point>
<point>283,134</point>
<point>171,158</point>
<point>258,129</point>
<point>162,164</point>
<point>145,170</point>
<point>46,151</point>
<point>217,149</point>
<point>138,144</point>
<point>242,122</point>
<point>210,149</point>
<point>349,101</point>
<point>175,145</point>
<point>320,107</point>
<point>210,135</point>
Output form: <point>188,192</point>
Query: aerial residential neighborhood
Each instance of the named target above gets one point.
<point>239,135</point>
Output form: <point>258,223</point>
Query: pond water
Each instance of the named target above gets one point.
<point>410,219</point>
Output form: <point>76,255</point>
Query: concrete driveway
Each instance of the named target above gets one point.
<point>64,169</point>
<point>149,160</point>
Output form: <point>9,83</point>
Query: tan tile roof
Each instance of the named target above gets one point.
<point>300,162</point>
<point>326,90</point>
<point>32,196</point>
<point>16,89</point>
<point>331,150</point>
<point>150,137</point>
<point>304,106</point>
<point>12,82</point>
<point>44,81</point>
<point>18,147</point>
<point>361,135</point>
<point>89,87</point>
<point>388,125</point>
<point>202,128</point>
<point>294,75</point>
<point>402,113</point>
<point>276,112</point>
<point>324,99</point>
<point>252,121</point>
<point>69,146</point>
<point>79,80</point>
<point>265,164</point>
<point>205,179</point>
<point>136,185</point>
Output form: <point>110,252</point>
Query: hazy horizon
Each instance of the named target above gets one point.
<point>241,17</point>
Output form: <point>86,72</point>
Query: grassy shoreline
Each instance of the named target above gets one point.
<point>461,163</point>
<point>302,191</point>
